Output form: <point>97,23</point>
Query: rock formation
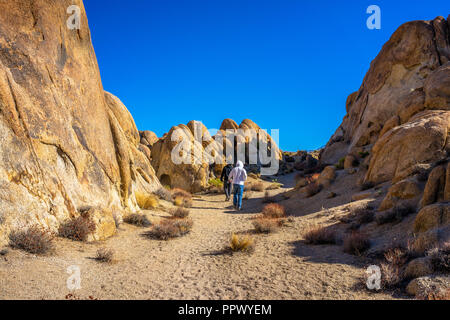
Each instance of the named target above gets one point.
<point>66,144</point>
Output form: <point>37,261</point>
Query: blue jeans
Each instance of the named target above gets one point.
<point>238,191</point>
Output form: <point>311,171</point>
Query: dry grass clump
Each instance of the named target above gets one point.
<point>169,229</point>
<point>241,243</point>
<point>320,235</point>
<point>146,201</point>
<point>163,193</point>
<point>265,225</point>
<point>312,189</point>
<point>274,210</point>
<point>356,243</point>
<point>180,213</point>
<point>137,219</point>
<point>257,186</point>
<point>104,255</point>
<point>77,229</point>
<point>34,240</point>
<point>182,198</point>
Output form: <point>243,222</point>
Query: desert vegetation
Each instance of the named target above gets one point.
<point>320,235</point>
<point>78,229</point>
<point>241,243</point>
<point>170,228</point>
<point>146,201</point>
<point>104,255</point>
<point>34,240</point>
<point>137,219</point>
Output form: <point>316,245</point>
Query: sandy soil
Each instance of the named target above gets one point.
<point>193,267</point>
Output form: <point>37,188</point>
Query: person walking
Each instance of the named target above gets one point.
<point>238,176</point>
<point>226,183</point>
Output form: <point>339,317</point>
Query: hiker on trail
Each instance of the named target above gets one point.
<point>226,183</point>
<point>238,176</point>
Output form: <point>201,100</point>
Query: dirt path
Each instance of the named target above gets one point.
<point>191,267</point>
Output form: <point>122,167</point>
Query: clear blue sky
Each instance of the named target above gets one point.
<point>286,64</point>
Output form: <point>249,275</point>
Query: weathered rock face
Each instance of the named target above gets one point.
<point>65,142</point>
<point>402,107</point>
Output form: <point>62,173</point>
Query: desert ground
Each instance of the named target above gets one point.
<point>195,266</point>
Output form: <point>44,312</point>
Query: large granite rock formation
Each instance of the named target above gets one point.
<point>401,112</point>
<point>65,143</point>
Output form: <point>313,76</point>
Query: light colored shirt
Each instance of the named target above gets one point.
<point>238,176</point>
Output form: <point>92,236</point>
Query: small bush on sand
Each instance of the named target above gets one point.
<point>77,229</point>
<point>182,198</point>
<point>435,293</point>
<point>241,243</point>
<point>320,235</point>
<point>139,220</point>
<point>177,192</point>
<point>274,210</point>
<point>257,186</point>
<point>104,255</point>
<point>164,194</point>
<point>34,240</point>
<point>180,213</point>
<point>146,201</point>
<point>392,275</point>
<point>168,229</point>
<point>356,243</point>
<point>265,225</point>
<point>312,189</point>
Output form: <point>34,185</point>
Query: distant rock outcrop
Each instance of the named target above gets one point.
<point>66,144</point>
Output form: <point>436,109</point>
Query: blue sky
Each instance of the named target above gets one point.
<point>285,64</point>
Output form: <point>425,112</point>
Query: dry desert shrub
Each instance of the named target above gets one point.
<point>241,243</point>
<point>34,240</point>
<point>182,198</point>
<point>265,225</point>
<point>104,255</point>
<point>168,229</point>
<point>320,235</point>
<point>77,229</point>
<point>392,275</point>
<point>312,189</point>
<point>274,210</point>
<point>164,194</point>
<point>180,212</point>
<point>146,201</point>
<point>356,243</point>
<point>257,186</point>
<point>139,220</point>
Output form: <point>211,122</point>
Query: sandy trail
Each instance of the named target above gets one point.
<point>192,267</point>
